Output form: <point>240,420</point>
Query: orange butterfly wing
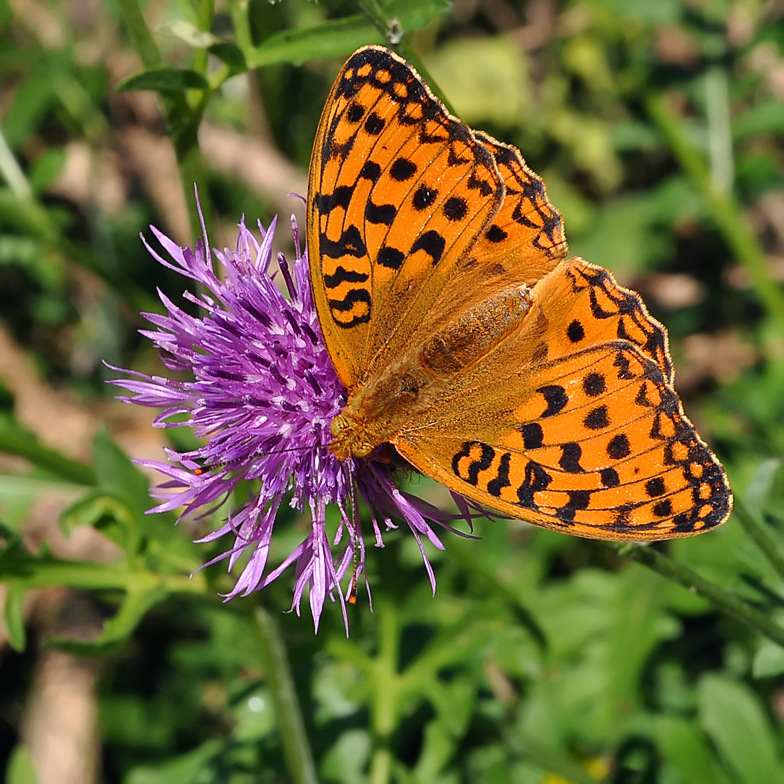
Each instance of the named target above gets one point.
<point>399,192</point>
<point>571,423</point>
<point>537,387</point>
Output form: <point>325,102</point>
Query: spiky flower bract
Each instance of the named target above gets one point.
<point>260,393</point>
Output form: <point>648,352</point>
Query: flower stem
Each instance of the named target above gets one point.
<point>141,38</point>
<point>722,600</point>
<point>388,28</point>
<point>725,210</point>
<point>385,684</point>
<point>296,749</point>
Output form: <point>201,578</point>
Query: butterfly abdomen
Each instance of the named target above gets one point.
<point>472,335</point>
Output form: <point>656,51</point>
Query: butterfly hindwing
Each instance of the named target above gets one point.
<point>590,439</point>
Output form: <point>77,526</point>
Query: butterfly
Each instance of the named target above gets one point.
<point>528,382</point>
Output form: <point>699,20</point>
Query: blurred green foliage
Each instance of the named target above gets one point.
<point>543,659</point>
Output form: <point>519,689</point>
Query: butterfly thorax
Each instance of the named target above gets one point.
<point>379,409</point>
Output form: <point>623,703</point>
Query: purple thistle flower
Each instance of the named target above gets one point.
<point>262,393</point>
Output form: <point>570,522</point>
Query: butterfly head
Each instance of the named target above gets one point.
<point>349,438</point>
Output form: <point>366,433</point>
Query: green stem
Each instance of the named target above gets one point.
<point>141,38</point>
<point>296,749</point>
<point>385,698</point>
<point>182,118</point>
<point>16,440</point>
<point>205,14</point>
<point>762,536</point>
<point>727,213</point>
<point>722,600</point>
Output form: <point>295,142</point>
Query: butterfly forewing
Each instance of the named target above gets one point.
<point>527,231</point>
<point>398,192</point>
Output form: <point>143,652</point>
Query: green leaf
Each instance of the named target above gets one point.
<point>231,55</point>
<point>328,39</point>
<point>166,549</point>
<point>346,758</point>
<point>46,168</point>
<point>687,750</point>
<point>14,616</point>
<point>140,598</point>
<point>415,14</point>
<point>337,37</point>
<point>734,718</point>
<point>19,441</point>
<point>185,769</point>
<point>164,80</point>
<point>107,514</point>
<point>21,769</point>
<point>766,117</point>
<point>29,103</point>
<point>768,661</point>
<point>189,33</point>
<point>485,79</point>
<point>117,475</point>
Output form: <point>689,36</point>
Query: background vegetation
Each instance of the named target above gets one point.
<point>543,659</point>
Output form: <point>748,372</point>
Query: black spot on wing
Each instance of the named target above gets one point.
<point>342,275</point>
<point>424,197</point>
<point>340,197</point>
<point>533,435</point>
<point>663,508</point>
<point>495,486</point>
<point>370,171</point>
<point>618,447</point>
<point>575,331</point>
<point>597,418</point>
<point>496,234</point>
<point>609,477</point>
<point>594,384</point>
<point>380,213</point>
<point>570,458</point>
<point>535,480</point>
<point>578,499</point>
<point>350,243</point>
<point>555,397</point>
<point>432,243</point>
<point>374,124</point>
<point>389,257</point>
<point>355,304</point>
<point>355,112</point>
<point>455,208</point>
<point>470,459</point>
<point>655,487</point>
<point>402,169</point>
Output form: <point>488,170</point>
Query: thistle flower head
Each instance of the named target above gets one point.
<point>260,392</point>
